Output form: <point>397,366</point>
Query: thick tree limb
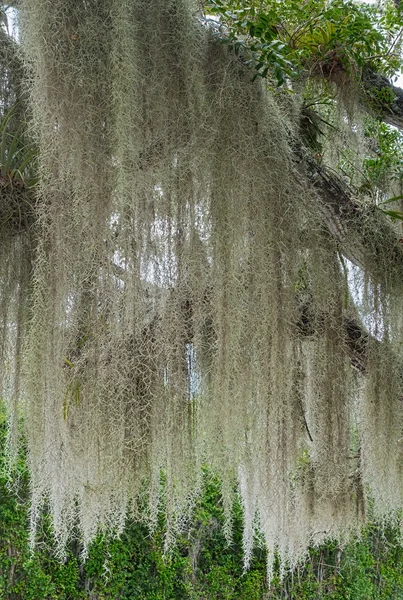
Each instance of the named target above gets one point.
<point>385,98</point>
<point>355,336</point>
<point>357,340</point>
<point>365,234</point>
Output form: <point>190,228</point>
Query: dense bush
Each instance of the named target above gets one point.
<point>201,567</point>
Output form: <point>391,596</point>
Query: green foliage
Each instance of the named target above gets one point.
<point>17,155</point>
<point>313,124</point>
<point>316,38</point>
<point>333,41</point>
<point>24,575</point>
<point>381,98</point>
<point>395,215</point>
<point>201,566</point>
<point>386,162</point>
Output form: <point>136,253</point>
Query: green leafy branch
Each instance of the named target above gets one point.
<point>317,38</point>
<point>395,215</point>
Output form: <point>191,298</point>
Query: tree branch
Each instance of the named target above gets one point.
<point>365,234</point>
<point>385,98</point>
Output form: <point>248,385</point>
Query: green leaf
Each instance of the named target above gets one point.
<point>389,200</point>
<point>395,215</point>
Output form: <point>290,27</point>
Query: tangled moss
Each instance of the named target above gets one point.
<point>164,328</point>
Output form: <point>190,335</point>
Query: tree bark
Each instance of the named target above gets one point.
<point>384,99</point>
<point>366,236</point>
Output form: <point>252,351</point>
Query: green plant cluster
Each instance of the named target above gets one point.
<point>386,163</point>
<point>201,567</point>
<point>17,157</point>
<point>316,38</point>
<point>328,42</point>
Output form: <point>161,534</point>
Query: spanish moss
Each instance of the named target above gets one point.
<point>187,305</point>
